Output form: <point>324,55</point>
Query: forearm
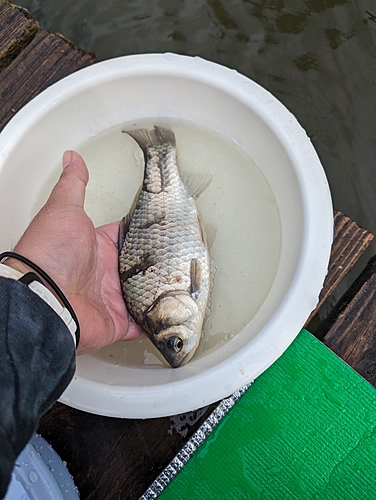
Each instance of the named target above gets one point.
<point>37,362</point>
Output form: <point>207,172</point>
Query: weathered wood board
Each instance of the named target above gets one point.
<point>18,28</point>
<point>31,60</point>
<point>350,329</point>
<point>349,243</point>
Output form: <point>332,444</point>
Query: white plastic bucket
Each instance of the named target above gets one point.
<point>135,88</point>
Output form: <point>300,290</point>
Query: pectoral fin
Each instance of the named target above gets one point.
<point>195,277</point>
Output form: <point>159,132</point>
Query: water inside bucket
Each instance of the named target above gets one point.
<point>239,207</point>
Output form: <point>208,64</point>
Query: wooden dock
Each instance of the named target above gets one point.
<point>113,458</point>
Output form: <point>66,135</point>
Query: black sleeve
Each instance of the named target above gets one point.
<point>37,362</point>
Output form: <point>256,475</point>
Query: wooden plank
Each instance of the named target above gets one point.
<point>112,458</point>
<point>350,328</point>
<point>17,29</point>
<point>349,243</point>
<point>47,59</point>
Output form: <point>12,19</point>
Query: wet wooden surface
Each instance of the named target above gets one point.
<point>18,28</point>
<point>118,459</point>
<point>349,243</point>
<point>31,59</point>
<point>350,328</point>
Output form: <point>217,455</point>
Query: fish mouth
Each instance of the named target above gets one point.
<point>176,363</point>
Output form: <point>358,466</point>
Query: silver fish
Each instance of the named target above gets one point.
<point>164,262</point>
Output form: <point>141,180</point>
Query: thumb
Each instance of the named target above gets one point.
<point>70,189</point>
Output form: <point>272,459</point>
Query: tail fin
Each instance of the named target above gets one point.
<point>146,138</point>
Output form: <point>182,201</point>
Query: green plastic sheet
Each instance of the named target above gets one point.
<point>305,429</point>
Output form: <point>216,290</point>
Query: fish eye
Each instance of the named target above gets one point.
<point>175,344</point>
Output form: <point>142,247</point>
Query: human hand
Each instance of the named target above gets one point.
<point>82,260</point>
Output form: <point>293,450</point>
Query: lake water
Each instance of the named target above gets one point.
<point>316,56</point>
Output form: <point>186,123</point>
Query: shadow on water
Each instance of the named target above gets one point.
<point>316,56</point>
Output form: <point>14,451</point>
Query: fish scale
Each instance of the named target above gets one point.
<point>164,262</point>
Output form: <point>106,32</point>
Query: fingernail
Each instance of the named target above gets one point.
<point>67,158</point>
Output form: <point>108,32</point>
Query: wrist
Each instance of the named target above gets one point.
<point>17,265</point>
<point>23,268</point>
